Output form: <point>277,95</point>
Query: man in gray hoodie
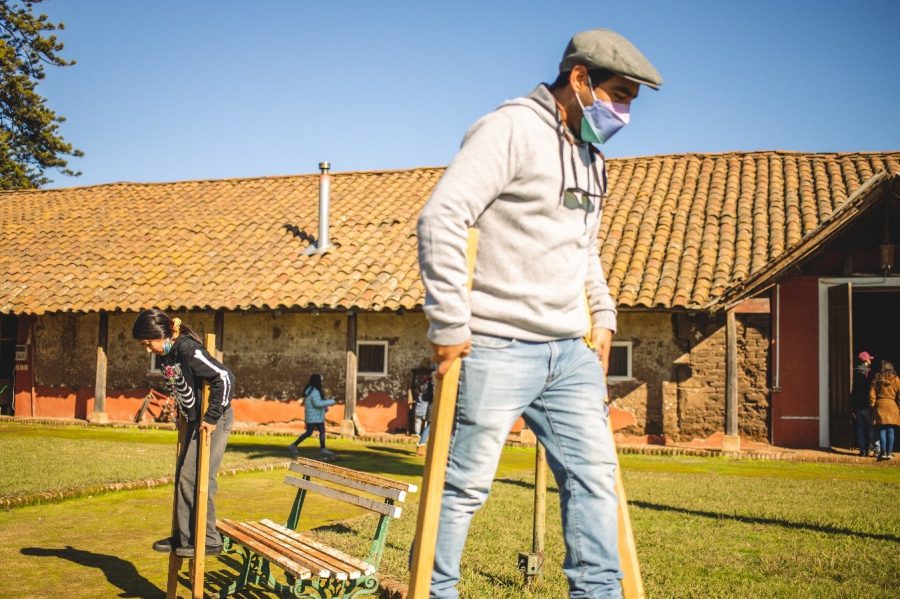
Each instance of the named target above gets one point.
<point>530,178</point>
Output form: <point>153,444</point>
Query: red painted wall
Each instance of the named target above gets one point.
<point>799,358</point>
<point>377,411</point>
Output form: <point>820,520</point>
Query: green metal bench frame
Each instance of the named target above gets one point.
<point>375,493</point>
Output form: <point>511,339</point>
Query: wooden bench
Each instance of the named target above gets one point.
<point>311,568</point>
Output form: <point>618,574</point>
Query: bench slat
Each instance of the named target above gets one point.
<point>365,567</point>
<point>363,502</point>
<point>228,528</point>
<point>339,569</point>
<point>374,479</point>
<point>360,485</point>
<point>264,538</point>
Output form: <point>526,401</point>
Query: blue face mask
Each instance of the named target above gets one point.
<point>167,346</point>
<point>601,120</point>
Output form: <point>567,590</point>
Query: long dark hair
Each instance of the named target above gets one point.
<point>156,324</point>
<point>315,381</point>
<point>885,376</point>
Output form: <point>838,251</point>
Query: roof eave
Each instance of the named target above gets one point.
<point>868,194</point>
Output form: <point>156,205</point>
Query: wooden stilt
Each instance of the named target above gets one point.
<point>175,561</point>
<point>632,585</point>
<point>442,411</point>
<point>203,442</point>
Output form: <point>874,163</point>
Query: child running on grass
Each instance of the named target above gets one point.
<point>186,365</point>
<point>314,414</point>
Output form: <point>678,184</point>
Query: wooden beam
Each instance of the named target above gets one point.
<point>219,332</point>
<point>352,367</point>
<point>757,305</point>
<point>731,380</point>
<point>100,382</point>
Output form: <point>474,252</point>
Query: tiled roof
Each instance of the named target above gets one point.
<point>679,230</point>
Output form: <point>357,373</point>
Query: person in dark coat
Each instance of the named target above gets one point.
<point>859,400</point>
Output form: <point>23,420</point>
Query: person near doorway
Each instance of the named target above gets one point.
<point>314,406</point>
<point>186,365</point>
<point>422,415</point>
<point>884,397</point>
<point>531,178</point>
<point>859,399</point>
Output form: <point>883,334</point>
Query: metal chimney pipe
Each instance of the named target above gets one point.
<point>324,199</point>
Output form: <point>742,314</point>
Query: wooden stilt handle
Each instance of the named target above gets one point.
<point>442,412</point>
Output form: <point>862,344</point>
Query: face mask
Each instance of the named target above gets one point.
<point>167,346</point>
<point>601,120</point>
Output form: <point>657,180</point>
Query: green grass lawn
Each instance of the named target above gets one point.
<point>60,458</point>
<point>705,527</point>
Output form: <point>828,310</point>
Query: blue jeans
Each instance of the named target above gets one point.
<point>423,436</point>
<point>558,388</point>
<point>886,435</point>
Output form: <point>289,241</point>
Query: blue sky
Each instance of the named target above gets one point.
<point>174,90</point>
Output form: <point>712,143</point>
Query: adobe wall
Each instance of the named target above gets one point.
<point>677,392</point>
<point>699,393</point>
<point>272,355</point>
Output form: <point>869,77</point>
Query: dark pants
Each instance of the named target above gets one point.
<point>865,433</point>
<point>187,482</point>
<point>311,427</point>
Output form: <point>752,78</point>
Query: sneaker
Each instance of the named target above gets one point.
<point>164,545</point>
<point>862,454</point>
<point>293,449</point>
<point>325,451</point>
<point>189,551</point>
<point>420,450</point>
<point>882,457</point>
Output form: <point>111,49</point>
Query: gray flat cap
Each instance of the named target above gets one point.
<point>606,49</point>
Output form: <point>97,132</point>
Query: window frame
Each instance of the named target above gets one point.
<point>372,374</point>
<point>629,362</point>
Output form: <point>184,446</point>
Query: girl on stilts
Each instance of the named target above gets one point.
<point>186,365</point>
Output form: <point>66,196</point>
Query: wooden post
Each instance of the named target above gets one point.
<point>348,428</point>
<point>219,331</point>
<point>731,442</point>
<point>202,489</point>
<point>175,561</point>
<point>442,412</point>
<point>99,413</point>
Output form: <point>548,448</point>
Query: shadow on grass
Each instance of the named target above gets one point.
<point>372,458</point>
<point>768,521</point>
<point>525,484</point>
<point>396,450</point>
<point>216,580</point>
<point>118,572</point>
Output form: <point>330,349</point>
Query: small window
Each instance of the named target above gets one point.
<point>372,358</point>
<point>620,361</point>
<point>154,364</point>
